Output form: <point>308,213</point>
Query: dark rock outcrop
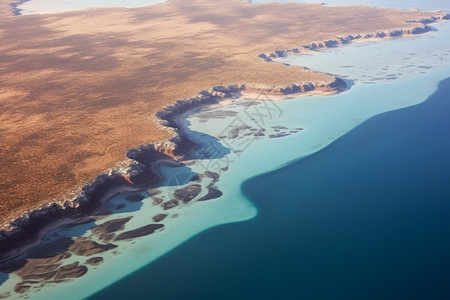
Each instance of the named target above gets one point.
<point>105,232</point>
<point>111,226</point>
<point>94,261</point>
<point>213,193</point>
<point>21,287</point>
<point>396,33</point>
<point>73,270</point>
<point>159,217</point>
<point>212,175</point>
<point>141,231</point>
<point>87,248</point>
<point>170,204</point>
<point>157,200</point>
<point>331,43</point>
<point>187,193</point>
<point>419,30</point>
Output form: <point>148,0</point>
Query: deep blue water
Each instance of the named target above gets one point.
<point>367,217</point>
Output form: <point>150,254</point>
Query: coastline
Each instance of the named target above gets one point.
<point>26,230</point>
<point>343,40</point>
<point>214,245</point>
<point>99,96</point>
<point>295,112</point>
<point>142,171</point>
<point>378,216</point>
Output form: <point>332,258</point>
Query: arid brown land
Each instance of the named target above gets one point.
<point>78,89</point>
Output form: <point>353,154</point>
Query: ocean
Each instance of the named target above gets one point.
<point>324,197</point>
<point>364,218</point>
<point>358,205</point>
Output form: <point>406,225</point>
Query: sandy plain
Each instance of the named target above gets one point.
<point>78,89</point>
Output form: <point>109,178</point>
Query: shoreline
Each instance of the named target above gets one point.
<point>124,84</point>
<point>26,230</point>
<point>344,40</point>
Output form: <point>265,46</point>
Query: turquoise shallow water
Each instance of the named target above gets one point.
<point>364,218</point>
<point>328,225</point>
<point>363,214</point>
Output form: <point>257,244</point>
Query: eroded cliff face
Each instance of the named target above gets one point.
<point>182,147</point>
<point>342,40</point>
<point>142,169</point>
<point>91,78</point>
<point>298,89</point>
<point>25,230</point>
